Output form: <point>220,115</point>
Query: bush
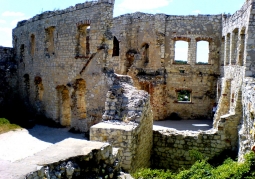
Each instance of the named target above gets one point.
<point>153,174</point>
<point>230,169</point>
<point>6,126</point>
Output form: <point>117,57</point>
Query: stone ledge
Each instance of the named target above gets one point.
<point>69,148</point>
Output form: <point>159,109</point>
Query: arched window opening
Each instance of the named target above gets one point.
<point>38,88</point>
<point>32,43</point>
<point>82,49</point>
<point>116,47</point>
<point>181,52</point>
<point>22,53</point>
<point>202,52</point>
<point>26,86</point>
<point>145,53</point>
<point>49,41</point>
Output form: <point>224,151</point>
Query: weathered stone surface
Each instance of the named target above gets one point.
<point>67,59</point>
<point>67,159</point>
<point>128,125</point>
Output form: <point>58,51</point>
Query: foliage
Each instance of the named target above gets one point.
<point>6,126</point>
<point>180,62</point>
<point>202,63</point>
<point>230,169</point>
<point>153,174</point>
<point>183,95</point>
<point>197,156</point>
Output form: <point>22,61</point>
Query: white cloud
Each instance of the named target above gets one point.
<point>6,36</point>
<point>2,21</point>
<point>141,5</point>
<point>6,30</point>
<point>12,14</point>
<point>196,12</point>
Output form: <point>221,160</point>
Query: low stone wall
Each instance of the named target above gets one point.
<point>171,147</point>
<point>69,159</point>
<point>128,124</point>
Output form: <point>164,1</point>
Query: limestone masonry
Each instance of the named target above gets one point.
<point>82,68</point>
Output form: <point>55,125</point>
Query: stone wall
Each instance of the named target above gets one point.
<point>127,124</point>
<point>8,78</point>
<point>70,158</point>
<point>171,148</point>
<point>236,58</point>
<point>247,127</point>
<point>147,54</point>
<point>61,59</point>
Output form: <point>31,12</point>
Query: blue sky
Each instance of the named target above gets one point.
<point>12,11</point>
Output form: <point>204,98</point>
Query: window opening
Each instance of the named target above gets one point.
<point>181,52</point>
<point>49,41</point>
<point>82,47</point>
<point>32,50</point>
<point>183,96</point>
<point>202,52</point>
<point>145,53</point>
<point>116,47</point>
<point>22,52</point>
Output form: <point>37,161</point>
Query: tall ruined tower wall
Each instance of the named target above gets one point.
<point>54,50</point>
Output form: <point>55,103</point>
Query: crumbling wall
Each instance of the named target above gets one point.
<point>247,127</point>
<point>127,124</point>
<point>46,47</point>
<point>8,78</point>
<point>233,109</point>
<point>171,148</point>
<point>147,52</point>
<point>68,159</point>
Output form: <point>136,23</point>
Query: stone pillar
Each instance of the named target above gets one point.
<point>233,47</point>
<point>227,50</point>
<point>222,51</point>
<point>192,52</point>
<point>241,45</point>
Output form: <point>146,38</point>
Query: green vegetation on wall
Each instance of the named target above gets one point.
<point>230,169</point>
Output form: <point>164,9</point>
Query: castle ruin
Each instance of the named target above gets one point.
<point>80,65</point>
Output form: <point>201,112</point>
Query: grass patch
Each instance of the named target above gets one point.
<point>230,169</point>
<point>6,126</point>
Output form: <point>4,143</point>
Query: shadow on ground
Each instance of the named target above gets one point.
<point>53,134</point>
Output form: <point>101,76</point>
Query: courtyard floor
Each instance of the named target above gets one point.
<point>17,145</point>
<point>192,125</point>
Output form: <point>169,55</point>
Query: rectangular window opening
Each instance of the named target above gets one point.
<point>202,52</point>
<point>49,41</point>
<point>181,52</point>
<point>183,95</point>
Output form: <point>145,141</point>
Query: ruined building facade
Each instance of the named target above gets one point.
<point>66,60</point>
